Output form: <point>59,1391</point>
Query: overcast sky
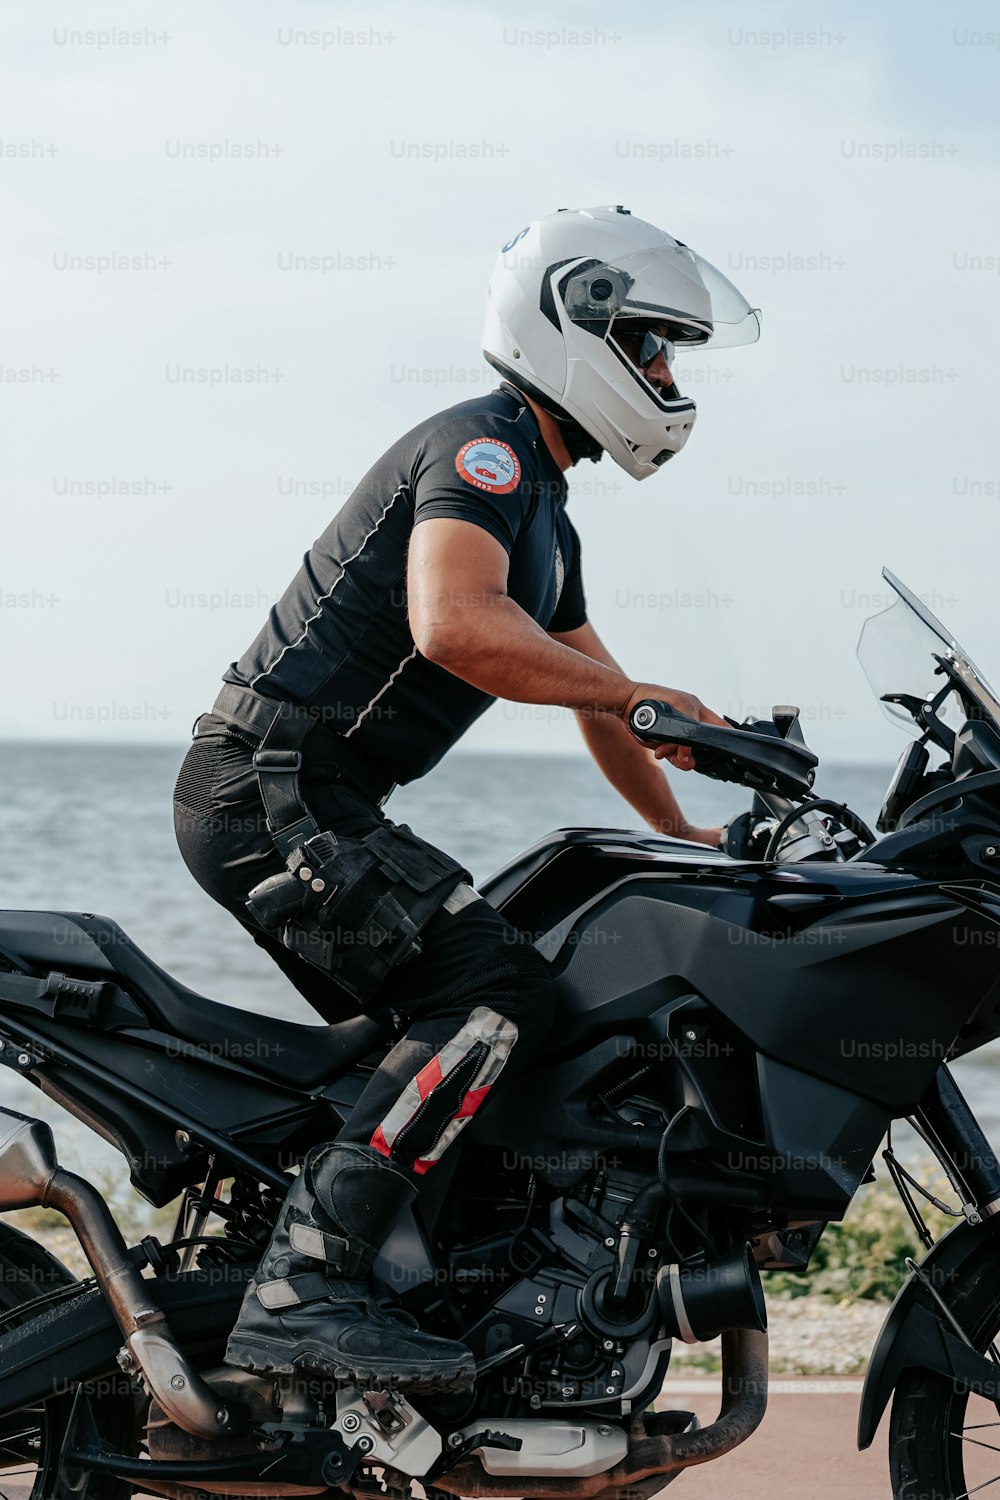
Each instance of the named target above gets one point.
<point>839,162</point>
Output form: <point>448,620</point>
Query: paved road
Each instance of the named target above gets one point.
<point>805,1447</point>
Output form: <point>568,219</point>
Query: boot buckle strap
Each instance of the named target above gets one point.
<point>318,1245</point>
<point>290,1291</point>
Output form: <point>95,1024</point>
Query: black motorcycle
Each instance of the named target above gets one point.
<point>739,1031</point>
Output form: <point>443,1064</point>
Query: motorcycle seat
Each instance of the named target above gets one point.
<point>289,1052</point>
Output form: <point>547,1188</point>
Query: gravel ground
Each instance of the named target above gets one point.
<point>807,1336</point>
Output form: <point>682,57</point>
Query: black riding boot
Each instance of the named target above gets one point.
<point>309,1307</point>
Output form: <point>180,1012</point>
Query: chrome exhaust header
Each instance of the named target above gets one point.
<point>30,1176</point>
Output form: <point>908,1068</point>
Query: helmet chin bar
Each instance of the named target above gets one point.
<point>640,441</point>
<point>579,443</point>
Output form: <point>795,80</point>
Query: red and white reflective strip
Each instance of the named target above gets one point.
<point>483,1026</point>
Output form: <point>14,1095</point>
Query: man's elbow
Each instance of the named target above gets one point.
<point>456,637</point>
<point>445,644</point>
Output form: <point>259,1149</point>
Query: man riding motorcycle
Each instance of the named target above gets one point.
<point>449,578</point>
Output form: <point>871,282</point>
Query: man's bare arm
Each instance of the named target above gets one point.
<point>630,767</point>
<point>462,618</point>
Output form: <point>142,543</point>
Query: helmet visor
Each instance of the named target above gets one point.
<point>667,284</point>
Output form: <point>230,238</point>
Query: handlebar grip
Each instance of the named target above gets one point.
<point>649,714</point>
<point>763,761</point>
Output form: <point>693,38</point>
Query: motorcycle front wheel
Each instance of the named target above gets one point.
<point>943,1441</point>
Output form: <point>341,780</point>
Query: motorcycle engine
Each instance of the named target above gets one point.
<point>549,1343</point>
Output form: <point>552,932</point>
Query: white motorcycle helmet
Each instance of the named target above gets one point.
<point>568,294</point>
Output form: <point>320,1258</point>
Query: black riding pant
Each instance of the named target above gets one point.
<point>476,1001</point>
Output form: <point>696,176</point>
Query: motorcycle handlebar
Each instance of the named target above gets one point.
<point>754,756</point>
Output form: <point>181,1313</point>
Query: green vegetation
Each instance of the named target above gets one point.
<point>864,1257</point>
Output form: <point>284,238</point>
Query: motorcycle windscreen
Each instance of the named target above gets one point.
<point>897,651</point>
<point>669,283</point>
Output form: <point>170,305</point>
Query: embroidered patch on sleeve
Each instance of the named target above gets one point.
<point>488,464</point>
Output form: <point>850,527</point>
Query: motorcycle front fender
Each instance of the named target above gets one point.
<point>918,1334</point>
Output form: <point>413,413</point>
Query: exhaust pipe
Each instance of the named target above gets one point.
<point>30,1176</point>
<point>699,1303</point>
<point>655,1452</point>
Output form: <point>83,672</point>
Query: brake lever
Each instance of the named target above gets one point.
<point>763,762</point>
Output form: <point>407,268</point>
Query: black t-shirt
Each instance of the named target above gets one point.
<point>339,638</point>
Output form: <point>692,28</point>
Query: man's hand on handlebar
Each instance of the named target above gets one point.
<point>710,836</point>
<point>680,756</point>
